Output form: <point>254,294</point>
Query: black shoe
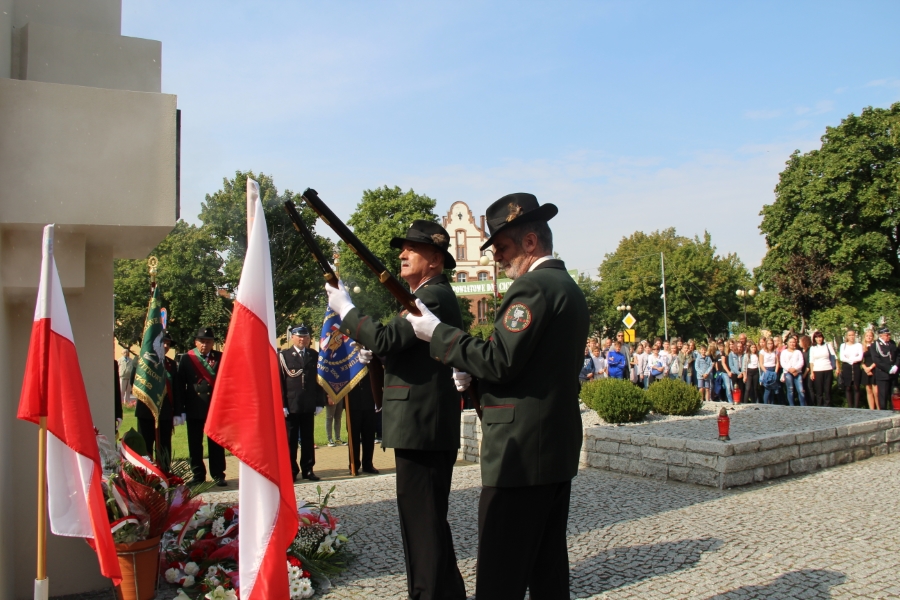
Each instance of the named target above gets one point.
<point>311,476</point>
<point>370,470</point>
<point>221,482</point>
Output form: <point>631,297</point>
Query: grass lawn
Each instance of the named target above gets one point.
<point>179,437</point>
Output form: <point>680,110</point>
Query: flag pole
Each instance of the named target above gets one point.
<point>41,584</point>
<point>152,264</point>
<point>351,446</point>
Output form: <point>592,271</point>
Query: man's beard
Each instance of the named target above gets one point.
<point>516,267</point>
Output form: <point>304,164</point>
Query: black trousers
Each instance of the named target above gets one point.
<point>885,390</point>
<point>301,432</point>
<point>821,387</point>
<point>147,429</point>
<point>751,385</point>
<point>362,440</point>
<point>522,542</point>
<point>195,449</point>
<point>423,496</point>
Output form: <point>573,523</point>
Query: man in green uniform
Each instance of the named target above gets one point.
<point>421,410</point>
<point>531,424</point>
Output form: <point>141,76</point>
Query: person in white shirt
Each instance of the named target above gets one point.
<point>768,357</point>
<point>751,373</point>
<point>821,371</point>
<point>792,363</point>
<point>851,354</point>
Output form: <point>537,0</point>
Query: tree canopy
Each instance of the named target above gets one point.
<point>700,286</point>
<point>833,232</point>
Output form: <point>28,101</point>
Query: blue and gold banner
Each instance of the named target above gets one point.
<point>339,367</point>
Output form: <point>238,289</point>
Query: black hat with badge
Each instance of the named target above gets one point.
<point>300,330</point>
<point>205,333</point>
<point>428,232</point>
<point>167,337</point>
<point>515,209</point>
<point>883,330</point>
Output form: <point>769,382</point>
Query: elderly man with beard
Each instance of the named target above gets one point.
<point>531,424</point>
<point>421,410</point>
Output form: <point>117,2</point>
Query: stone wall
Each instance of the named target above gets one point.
<point>469,437</point>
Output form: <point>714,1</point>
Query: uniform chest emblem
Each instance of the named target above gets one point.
<point>517,318</point>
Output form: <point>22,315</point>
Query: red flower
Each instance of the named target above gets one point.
<point>305,574</point>
<point>295,562</point>
<point>229,514</point>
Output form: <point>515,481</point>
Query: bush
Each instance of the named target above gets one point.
<point>674,397</point>
<point>616,400</point>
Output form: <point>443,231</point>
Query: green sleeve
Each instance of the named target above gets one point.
<point>396,336</point>
<point>503,357</point>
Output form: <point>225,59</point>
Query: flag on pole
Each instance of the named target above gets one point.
<point>246,417</point>
<point>150,371</point>
<point>54,388</point>
<point>339,369</point>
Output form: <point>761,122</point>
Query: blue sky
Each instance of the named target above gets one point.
<point>627,115</point>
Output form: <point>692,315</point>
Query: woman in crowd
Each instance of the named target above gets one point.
<point>750,365</point>
<point>803,344</point>
<point>821,369</point>
<point>687,374</point>
<point>639,364</point>
<point>735,365</point>
<point>724,372</point>
<point>656,366</point>
<point>676,365</point>
<point>703,365</point>
<point>793,366</point>
<point>771,382</point>
<point>851,353</point>
<point>867,371</point>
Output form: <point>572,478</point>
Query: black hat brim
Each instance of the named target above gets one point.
<point>449,261</point>
<point>544,212</point>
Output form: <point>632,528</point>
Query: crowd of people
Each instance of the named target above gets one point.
<point>793,370</point>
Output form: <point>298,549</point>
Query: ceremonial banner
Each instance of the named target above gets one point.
<point>339,367</point>
<point>53,388</point>
<point>150,372</point>
<point>246,417</point>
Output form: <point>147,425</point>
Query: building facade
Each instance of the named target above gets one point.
<point>472,279</point>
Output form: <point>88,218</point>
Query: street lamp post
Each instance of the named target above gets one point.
<point>484,261</point>
<point>743,295</point>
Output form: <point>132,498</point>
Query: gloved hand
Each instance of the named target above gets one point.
<point>118,422</point>
<point>338,299</point>
<point>462,380</point>
<point>285,413</point>
<point>425,325</point>
<point>176,421</point>
<point>318,410</point>
<point>893,370</point>
<point>365,355</point>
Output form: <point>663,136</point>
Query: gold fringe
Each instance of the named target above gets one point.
<point>140,395</point>
<point>337,397</point>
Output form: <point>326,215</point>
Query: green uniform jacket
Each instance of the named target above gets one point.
<point>528,378</point>
<point>421,404</point>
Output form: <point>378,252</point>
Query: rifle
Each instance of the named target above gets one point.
<point>393,285</point>
<point>397,289</point>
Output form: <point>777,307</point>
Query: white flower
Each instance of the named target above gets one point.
<point>230,595</point>
<point>188,581</point>
<point>295,591</point>
<point>191,568</point>
<point>173,575</point>
<point>213,581</point>
<point>217,594</point>
<point>211,572</point>
<point>306,588</point>
<point>218,527</point>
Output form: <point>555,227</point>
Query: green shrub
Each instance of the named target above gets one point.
<point>674,397</point>
<point>616,400</point>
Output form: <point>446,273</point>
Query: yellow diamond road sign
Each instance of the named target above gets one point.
<point>629,320</point>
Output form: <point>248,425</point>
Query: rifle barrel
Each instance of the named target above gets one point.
<point>311,243</point>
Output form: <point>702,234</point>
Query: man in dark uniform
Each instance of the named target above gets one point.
<point>885,357</point>
<point>146,423</point>
<point>303,399</point>
<point>531,424</point>
<point>362,420</point>
<point>421,411</point>
<point>193,390</point>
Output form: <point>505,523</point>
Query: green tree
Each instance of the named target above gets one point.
<point>382,214</point>
<point>189,270</point>
<point>833,232</point>
<point>700,286</point>
<point>296,279</point>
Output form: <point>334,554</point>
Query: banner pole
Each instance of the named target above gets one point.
<point>40,582</point>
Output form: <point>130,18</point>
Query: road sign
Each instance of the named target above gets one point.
<point>629,320</point>
<point>629,336</point>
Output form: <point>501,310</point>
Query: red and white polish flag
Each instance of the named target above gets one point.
<point>54,388</point>
<point>246,417</point>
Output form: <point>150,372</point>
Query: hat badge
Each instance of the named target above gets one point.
<point>439,238</point>
<point>514,211</point>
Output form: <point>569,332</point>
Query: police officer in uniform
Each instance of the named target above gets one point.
<point>886,360</point>
<point>421,410</point>
<point>193,390</point>
<point>528,380</point>
<point>303,399</point>
<point>146,423</point>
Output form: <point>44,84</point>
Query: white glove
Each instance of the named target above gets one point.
<point>893,370</point>
<point>176,421</point>
<point>462,380</point>
<point>365,355</point>
<point>118,422</point>
<point>338,299</point>
<point>425,325</point>
<point>285,412</point>
<point>318,410</point>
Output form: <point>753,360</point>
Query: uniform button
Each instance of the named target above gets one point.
<point>437,358</point>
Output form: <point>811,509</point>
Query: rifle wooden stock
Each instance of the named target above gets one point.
<point>311,243</point>
<point>393,285</point>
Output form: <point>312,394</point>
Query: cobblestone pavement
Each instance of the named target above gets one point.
<point>832,534</point>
